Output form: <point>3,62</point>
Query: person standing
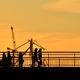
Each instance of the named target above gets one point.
<point>8,59</point>
<point>21,59</point>
<point>40,57</point>
<point>34,58</point>
<point>3,61</point>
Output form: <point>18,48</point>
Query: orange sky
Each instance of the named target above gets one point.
<point>51,41</point>
<point>53,23</point>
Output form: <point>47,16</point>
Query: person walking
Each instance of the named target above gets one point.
<point>40,57</point>
<point>21,60</point>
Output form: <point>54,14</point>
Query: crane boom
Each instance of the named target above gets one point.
<point>14,43</point>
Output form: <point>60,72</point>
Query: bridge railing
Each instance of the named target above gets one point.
<point>51,59</point>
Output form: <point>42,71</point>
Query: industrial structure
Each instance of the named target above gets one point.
<point>37,56</point>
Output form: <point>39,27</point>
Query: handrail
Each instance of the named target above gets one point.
<point>53,58</point>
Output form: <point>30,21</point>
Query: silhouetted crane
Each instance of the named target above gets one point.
<point>31,43</point>
<point>14,42</point>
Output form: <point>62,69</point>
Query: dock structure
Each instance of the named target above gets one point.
<point>38,56</point>
<point>49,59</point>
<point>37,63</point>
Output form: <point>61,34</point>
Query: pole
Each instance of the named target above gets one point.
<point>14,44</point>
<point>31,46</point>
<point>31,50</point>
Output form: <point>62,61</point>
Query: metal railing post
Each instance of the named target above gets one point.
<point>74,59</point>
<point>48,59</point>
<point>59,61</point>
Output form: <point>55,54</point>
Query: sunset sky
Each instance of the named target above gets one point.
<point>55,24</point>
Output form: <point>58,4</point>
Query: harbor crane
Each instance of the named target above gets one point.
<point>14,42</point>
<point>30,48</point>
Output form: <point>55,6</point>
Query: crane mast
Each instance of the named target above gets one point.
<point>32,42</point>
<point>14,43</point>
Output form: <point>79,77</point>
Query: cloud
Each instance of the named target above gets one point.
<point>72,6</point>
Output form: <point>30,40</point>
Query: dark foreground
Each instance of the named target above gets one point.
<point>50,73</point>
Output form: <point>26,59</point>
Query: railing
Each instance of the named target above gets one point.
<point>52,59</point>
<point>63,59</point>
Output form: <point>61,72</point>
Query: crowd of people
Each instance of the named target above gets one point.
<point>6,60</point>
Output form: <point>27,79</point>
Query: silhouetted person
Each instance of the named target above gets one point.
<point>34,57</point>
<point>8,59</point>
<point>21,59</point>
<point>40,57</point>
<point>3,61</point>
